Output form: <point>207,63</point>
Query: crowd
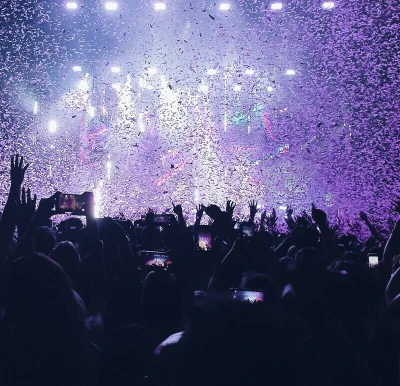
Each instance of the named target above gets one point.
<point>158,302</point>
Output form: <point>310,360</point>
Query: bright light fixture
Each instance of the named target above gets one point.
<point>249,71</point>
<point>224,7</point>
<point>115,69</point>
<point>328,5</point>
<point>237,87</point>
<point>52,126</point>
<point>203,88</point>
<point>290,72</point>
<point>159,6</point>
<point>276,6</point>
<point>71,5</point>
<point>152,71</point>
<point>211,71</point>
<point>270,89</point>
<point>111,6</point>
<point>77,68</point>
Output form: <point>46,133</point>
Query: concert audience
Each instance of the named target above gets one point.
<point>159,302</point>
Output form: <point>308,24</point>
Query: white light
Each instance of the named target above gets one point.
<point>152,71</point>
<point>328,5</point>
<point>71,5</point>
<point>224,7</point>
<point>211,71</point>
<point>52,126</point>
<point>290,72</point>
<point>237,87</point>
<point>83,85</point>
<point>111,6</point>
<point>249,72</point>
<point>108,165</point>
<point>77,68</point>
<point>282,207</point>
<point>270,89</point>
<point>276,6</point>
<point>115,69</point>
<point>35,108</point>
<point>159,6</point>
<point>203,88</point>
<point>91,111</point>
<point>116,86</point>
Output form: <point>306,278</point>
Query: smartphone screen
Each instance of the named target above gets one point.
<point>71,203</point>
<point>247,296</point>
<point>373,259</point>
<point>161,219</point>
<point>156,259</point>
<point>204,238</point>
<point>247,230</point>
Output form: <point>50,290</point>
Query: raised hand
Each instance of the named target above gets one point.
<point>289,212</point>
<point>26,208</point>
<point>318,215</point>
<point>263,216</point>
<point>363,216</point>
<point>230,207</point>
<point>253,209</point>
<point>47,205</point>
<point>17,172</point>
<point>177,209</point>
<point>272,219</point>
<point>199,211</point>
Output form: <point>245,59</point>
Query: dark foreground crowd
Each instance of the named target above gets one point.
<point>158,302</point>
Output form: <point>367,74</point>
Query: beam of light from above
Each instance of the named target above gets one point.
<point>211,71</point>
<point>224,7</point>
<point>35,107</point>
<point>237,87</point>
<point>290,72</point>
<point>111,6</point>
<point>71,5</point>
<point>249,71</point>
<point>276,6</point>
<point>159,6</point>
<point>77,68</point>
<point>83,85</point>
<point>52,126</point>
<point>328,5</point>
<point>115,69</point>
<point>152,71</point>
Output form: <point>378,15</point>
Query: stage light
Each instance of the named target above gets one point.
<point>77,68</point>
<point>35,108</point>
<point>52,126</point>
<point>276,6</point>
<point>159,6</point>
<point>116,86</point>
<point>290,72</point>
<point>270,89</point>
<point>115,69</point>
<point>203,88</point>
<point>237,87</point>
<point>111,6</point>
<point>83,85</point>
<point>152,71</point>
<point>328,5</point>
<point>249,71</point>
<point>224,7</point>
<point>71,5</point>
<point>91,111</point>
<point>211,71</point>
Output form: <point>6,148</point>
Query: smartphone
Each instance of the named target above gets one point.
<point>204,236</point>
<point>246,296</point>
<point>161,219</point>
<point>247,230</point>
<point>373,259</point>
<point>156,259</point>
<point>74,203</point>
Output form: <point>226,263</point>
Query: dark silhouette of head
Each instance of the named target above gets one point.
<point>44,240</point>
<point>67,255</point>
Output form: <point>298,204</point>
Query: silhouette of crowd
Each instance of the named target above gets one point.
<point>156,301</point>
